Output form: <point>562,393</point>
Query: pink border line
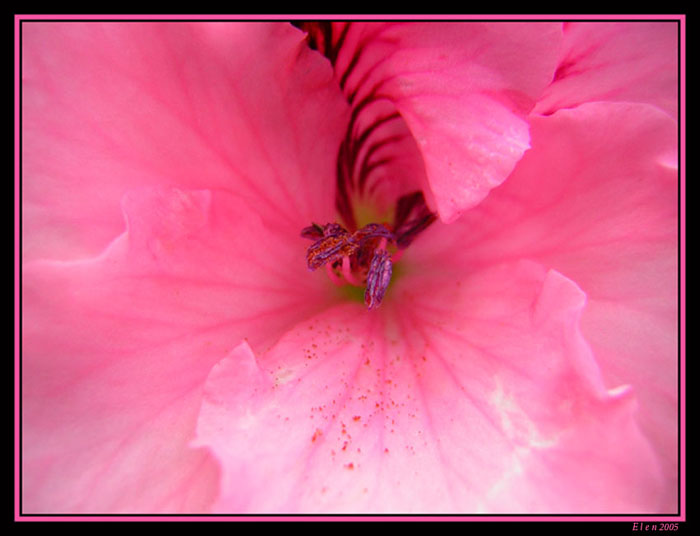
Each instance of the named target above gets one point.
<point>682,169</point>
<point>430,17</point>
<point>17,268</point>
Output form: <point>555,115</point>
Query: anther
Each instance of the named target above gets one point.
<point>361,258</point>
<point>335,245</point>
<point>378,278</point>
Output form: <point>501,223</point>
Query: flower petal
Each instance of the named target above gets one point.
<point>116,349</point>
<point>596,198</point>
<point>241,107</point>
<point>475,394</point>
<point>463,90</point>
<point>605,61</point>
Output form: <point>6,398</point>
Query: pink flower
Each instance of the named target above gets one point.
<point>523,357</point>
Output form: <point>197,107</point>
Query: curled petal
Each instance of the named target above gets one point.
<point>116,350</point>
<point>463,90</point>
<point>477,395</point>
<point>597,199</point>
<point>627,61</point>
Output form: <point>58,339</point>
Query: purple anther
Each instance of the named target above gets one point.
<point>313,232</point>
<point>372,230</point>
<point>334,229</point>
<point>378,278</point>
<point>361,257</point>
<point>335,245</point>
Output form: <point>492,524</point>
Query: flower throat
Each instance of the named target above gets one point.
<point>353,254</point>
<point>365,257</point>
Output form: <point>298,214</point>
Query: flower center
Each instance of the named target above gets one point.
<point>360,252</point>
<point>366,256</point>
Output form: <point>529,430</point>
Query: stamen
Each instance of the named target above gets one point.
<point>364,251</point>
<point>375,134</point>
<point>372,230</point>
<point>333,229</point>
<point>333,276</point>
<point>348,275</point>
<point>313,232</point>
<point>332,247</point>
<point>378,278</point>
